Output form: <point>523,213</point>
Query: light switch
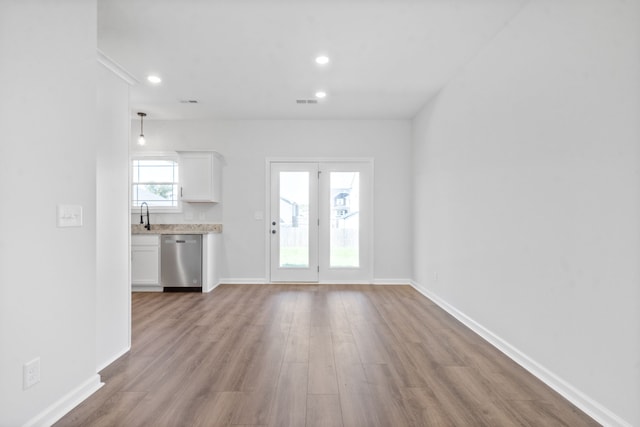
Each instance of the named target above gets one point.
<point>69,216</point>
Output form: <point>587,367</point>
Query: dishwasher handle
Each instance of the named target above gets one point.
<point>175,241</point>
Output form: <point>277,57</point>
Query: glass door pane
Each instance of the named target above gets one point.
<point>344,199</point>
<point>294,219</point>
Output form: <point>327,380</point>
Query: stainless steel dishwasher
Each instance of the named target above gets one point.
<point>181,260</point>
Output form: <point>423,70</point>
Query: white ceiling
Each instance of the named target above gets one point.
<point>252,59</point>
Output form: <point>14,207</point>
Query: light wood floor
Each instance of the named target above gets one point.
<point>307,355</point>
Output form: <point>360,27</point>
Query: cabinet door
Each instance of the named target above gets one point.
<point>199,176</point>
<point>145,265</point>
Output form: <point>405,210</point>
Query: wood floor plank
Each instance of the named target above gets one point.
<point>324,410</point>
<point>423,408</point>
<point>297,346</point>
<point>352,379</point>
<point>290,405</point>
<point>371,347</point>
<point>216,410</point>
<point>359,410</point>
<point>322,366</point>
<point>109,411</point>
<point>254,407</point>
<point>312,355</point>
<point>344,347</point>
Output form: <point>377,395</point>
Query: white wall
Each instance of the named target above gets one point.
<point>112,223</point>
<point>47,157</point>
<point>246,144</point>
<point>527,197</point>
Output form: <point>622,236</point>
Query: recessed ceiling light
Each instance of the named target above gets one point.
<point>322,60</point>
<point>320,94</point>
<point>154,79</point>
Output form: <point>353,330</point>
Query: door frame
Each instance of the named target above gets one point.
<point>367,274</point>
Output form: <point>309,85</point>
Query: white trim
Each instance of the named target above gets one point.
<point>342,282</point>
<point>372,225</point>
<point>65,404</point>
<point>263,281</point>
<point>374,282</point>
<point>113,358</point>
<point>585,403</point>
<point>207,290</point>
<point>398,282</point>
<point>267,218</point>
<point>143,288</point>
<point>236,281</point>
<point>318,159</point>
<point>129,238</point>
<point>116,68</point>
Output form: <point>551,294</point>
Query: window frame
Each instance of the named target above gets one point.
<point>166,156</point>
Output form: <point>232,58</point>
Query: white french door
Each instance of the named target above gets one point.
<point>346,222</point>
<point>294,222</point>
<point>321,222</point>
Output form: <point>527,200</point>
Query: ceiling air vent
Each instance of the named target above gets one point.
<point>306,101</point>
<point>188,101</point>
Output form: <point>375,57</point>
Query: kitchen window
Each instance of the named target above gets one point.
<point>154,180</point>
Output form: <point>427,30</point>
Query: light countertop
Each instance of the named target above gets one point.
<point>177,229</point>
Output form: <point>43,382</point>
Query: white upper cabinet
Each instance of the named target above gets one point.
<point>200,176</point>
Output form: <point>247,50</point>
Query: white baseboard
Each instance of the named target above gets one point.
<point>253,281</point>
<point>137,288</point>
<point>112,359</point>
<point>399,282</point>
<point>207,290</point>
<point>263,281</point>
<point>588,405</point>
<point>342,282</point>
<point>65,404</point>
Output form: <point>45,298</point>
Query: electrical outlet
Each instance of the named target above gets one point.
<point>31,373</point>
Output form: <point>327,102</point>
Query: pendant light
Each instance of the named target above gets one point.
<point>141,140</point>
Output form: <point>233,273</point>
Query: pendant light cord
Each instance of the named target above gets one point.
<point>142,115</point>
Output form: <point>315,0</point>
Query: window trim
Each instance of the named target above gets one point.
<point>160,155</point>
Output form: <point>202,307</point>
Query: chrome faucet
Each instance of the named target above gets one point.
<point>148,226</point>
